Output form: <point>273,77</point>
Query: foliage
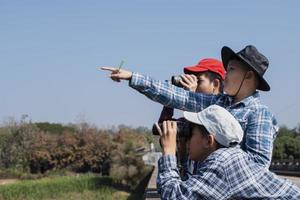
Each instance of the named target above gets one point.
<point>54,128</point>
<point>32,150</point>
<point>127,168</point>
<point>16,141</point>
<point>62,188</point>
<point>287,144</point>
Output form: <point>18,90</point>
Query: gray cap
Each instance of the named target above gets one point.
<point>219,122</point>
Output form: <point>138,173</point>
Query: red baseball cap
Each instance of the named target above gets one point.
<point>207,64</point>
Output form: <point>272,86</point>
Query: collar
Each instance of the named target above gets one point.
<point>245,101</point>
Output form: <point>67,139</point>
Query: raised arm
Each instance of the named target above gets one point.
<point>210,183</point>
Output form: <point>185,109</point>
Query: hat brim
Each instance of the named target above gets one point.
<point>228,54</point>
<point>193,69</point>
<point>192,117</point>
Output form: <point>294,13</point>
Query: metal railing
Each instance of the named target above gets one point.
<point>286,167</point>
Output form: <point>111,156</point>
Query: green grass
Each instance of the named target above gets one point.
<point>81,187</point>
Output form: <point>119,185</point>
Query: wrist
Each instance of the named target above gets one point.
<point>167,151</point>
<point>129,76</point>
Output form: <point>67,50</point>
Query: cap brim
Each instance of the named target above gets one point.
<point>227,54</point>
<point>192,117</point>
<point>193,69</point>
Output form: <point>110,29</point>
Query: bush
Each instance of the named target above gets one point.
<point>127,167</point>
<point>16,144</point>
<point>287,144</point>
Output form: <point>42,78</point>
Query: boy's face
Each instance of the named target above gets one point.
<point>199,147</point>
<point>204,84</point>
<point>234,76</point>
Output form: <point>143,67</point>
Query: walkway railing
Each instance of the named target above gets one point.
<point>151,158</point>
<point>286,167</point>
<point>151,190</point>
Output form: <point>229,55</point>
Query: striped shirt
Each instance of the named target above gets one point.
<point>227,173</point>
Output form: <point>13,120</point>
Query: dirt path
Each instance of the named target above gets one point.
<point>293,179</point>
<point>7,181</point>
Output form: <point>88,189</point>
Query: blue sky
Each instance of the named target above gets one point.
<point>49,51</point>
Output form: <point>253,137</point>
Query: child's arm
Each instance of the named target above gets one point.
<point>163,92</point>
<point>210,184</point>
<point>260,134</point>
<point>169,95</point>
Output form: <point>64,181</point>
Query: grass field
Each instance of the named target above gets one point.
<point>69,187</point>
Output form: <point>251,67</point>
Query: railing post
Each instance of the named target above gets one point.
<point>151,190</point>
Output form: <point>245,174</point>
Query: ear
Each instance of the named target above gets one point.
<point>216,83</point>
<point>250,75</point>
<point>210,140</point>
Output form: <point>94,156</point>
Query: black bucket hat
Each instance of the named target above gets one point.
<point>252,58</point>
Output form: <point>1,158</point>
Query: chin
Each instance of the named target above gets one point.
<point>193,158</point>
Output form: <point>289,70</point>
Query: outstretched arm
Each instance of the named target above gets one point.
<point>164,92</point>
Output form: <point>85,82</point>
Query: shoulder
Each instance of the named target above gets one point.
<point>255,105</point>
<point>260,112</point>
<point>226,155</point>
<point>257,110</point>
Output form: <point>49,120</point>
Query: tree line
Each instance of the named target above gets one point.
<point>40,148</point>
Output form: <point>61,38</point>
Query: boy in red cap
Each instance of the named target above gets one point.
<point>209,74</point>
<point>206,77</point>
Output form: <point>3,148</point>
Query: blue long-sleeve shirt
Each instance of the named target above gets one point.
<point>227,173</point>
<point>259,125</point>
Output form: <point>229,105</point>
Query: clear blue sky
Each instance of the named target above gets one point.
<point>49,51</point>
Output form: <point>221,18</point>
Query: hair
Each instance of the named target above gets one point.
<point>204,132</point>
<point>212,76</point>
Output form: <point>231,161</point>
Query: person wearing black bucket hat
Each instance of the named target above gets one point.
<point>245,71</point>
<point>244,76</point>
<point>250,56</point>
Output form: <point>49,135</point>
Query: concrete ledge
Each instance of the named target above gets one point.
<point>151,190</point>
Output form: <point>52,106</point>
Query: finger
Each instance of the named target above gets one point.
<point>112,69</point>
<point>195,79</point>
<point>185,79</point>
<point>185,85</point>
<point>174,125</point>
<point>170,126</point>
<point>160,143</point>
<point>115,79</point>
<point>165,128</point>
<point>189,77</point>
<point>158,129</point>
<point>114,75</point>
